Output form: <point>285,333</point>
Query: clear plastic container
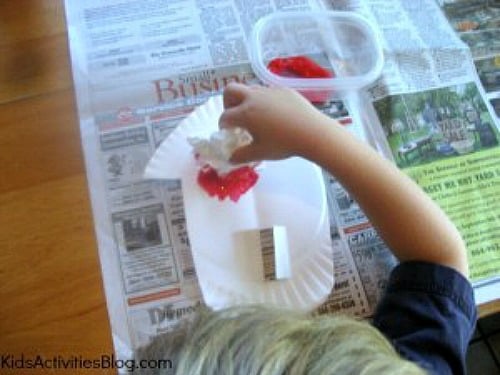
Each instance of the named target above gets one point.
<point>342,43</point>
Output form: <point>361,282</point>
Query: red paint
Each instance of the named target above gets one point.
<point>302,67</point>
<point>233,184</point>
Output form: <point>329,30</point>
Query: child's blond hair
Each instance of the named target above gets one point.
<point>259,340</point>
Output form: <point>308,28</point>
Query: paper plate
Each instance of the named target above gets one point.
<point>224,235</point>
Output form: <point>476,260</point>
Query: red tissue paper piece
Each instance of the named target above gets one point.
<point>233,184</point>
<point>302,67</point>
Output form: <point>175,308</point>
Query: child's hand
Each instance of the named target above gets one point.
<point>281,122</point>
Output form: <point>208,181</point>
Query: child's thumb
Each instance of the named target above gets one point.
<point>243,154</point>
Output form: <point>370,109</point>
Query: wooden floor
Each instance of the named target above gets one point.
<point>50,278</point>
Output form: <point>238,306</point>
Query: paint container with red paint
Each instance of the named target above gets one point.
<point>323,55</point>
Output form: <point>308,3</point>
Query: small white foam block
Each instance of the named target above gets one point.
<point>275,253</point>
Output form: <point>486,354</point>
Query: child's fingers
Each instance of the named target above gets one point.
<point>234,94</point>
<point>230,118</point>
<point>243,154</point>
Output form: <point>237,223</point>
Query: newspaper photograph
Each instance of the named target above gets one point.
<point>446,140</point>
<point>477,23</point>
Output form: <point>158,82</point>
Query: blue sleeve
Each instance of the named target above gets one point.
<point>428,313</point>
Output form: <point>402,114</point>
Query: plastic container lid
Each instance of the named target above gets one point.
<point>342,43</point>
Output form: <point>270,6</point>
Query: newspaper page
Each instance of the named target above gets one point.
<point>477,23</point>
<point>429,81</point>
<point>140,67</point>
<point>437,124</point>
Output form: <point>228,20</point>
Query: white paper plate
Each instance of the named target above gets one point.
<point>224,235</point>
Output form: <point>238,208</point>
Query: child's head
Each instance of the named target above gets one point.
<point>266,341</point>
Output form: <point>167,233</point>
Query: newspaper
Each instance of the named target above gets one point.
<point>432,118</point>
<point>140,67</point>
<point>440,127</point>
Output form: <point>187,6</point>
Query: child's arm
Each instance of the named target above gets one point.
<point>284,124</point>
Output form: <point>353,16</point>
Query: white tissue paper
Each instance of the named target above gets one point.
<point>217,150</point>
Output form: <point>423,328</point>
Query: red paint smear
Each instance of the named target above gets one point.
<point>233,184</point>
<point>302,67</point>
